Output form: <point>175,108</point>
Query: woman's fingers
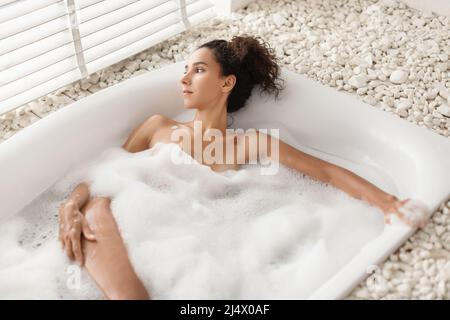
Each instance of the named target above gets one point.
<point>68,248</point>
<point>72,245</point>
<point>86,230</point>
<point>412,215</point>
<point>399,214</point>
<point>402,217</point>
<point>72,225</point>
<point>61,237</point>
<point>423,223</point>
<point>61,230</point>
<point>76,247</point>
<point>404,201</point>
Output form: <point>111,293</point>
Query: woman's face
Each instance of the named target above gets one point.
<point>202,78</point>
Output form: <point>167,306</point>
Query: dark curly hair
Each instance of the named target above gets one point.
<point>252,62</point>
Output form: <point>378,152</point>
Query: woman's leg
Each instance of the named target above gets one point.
<point>106,259</point>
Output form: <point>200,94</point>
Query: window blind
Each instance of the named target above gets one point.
<point>48,44</point>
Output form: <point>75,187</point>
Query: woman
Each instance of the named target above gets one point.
<point>218,80</point>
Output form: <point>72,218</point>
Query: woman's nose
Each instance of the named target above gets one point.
<point>185,79</point>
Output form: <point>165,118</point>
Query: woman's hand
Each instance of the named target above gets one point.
<point>412,213</point>
<point>73,225</point>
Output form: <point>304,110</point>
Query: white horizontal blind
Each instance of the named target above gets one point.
<point>48,44</point>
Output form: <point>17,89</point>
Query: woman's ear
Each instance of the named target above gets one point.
<point>229,83</point>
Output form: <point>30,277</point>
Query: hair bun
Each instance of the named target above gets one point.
<point>252,61</point>
<point>240,46</point>
<point>258,61</point>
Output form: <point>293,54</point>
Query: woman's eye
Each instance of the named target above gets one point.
<point>195,69</point>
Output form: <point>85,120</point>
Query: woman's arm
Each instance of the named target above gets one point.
<point>327,172</point>
<point>360,188</point>
<point>79,195</point>
<point>286,155</point>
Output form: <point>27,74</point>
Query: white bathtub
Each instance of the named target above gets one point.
<point>399,157</point>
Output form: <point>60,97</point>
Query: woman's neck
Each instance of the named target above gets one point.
<point>212,118</point>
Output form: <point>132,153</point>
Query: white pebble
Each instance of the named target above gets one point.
<point>439,230</point>
<point>361,91</point>
<point>142,55</point>
<point>94,78</point>
<point>85,84</point>
<point>61,99</point>
<point>430,95</point>
<point>398,76</point>
<point>132,66</point>
<point>444,93</point>
<point>126,74</point>
<point>302,68</point>
<point>442,288</point>
<point>358,81</point>
<point>418,22</point>
<point>370,100</point>
<point>403,104</point>
<point>368,59</point>
<point>144,64</point>
<point>443,57</point>
<point>442,67</point>
<point>278,20</point>
<point>444,110</point>
<point>154,58</point>
<point>404,288</point>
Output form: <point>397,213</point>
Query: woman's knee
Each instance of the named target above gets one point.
<point>99,216</point>
<point>94,204</point>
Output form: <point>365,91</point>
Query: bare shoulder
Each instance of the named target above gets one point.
<point>157,119</point>
<point>155,123</point>
<point>140,137</point>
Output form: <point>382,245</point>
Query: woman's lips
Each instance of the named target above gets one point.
<point>185,93</point>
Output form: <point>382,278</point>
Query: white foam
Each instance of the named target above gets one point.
<point>194,233</point>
